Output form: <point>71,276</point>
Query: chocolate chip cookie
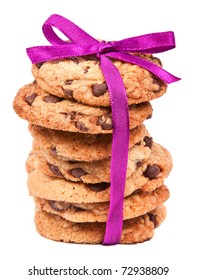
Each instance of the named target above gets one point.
<point>41,108</point>
<point>87,172</point>
<point>136,204</point>
<point>135,230</point>
<point>82,147</point>
<point>149,176</point>
<point>81,79</point>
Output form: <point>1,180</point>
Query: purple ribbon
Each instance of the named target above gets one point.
<point>82,44</point>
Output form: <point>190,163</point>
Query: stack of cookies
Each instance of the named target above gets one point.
<point>69,115</point>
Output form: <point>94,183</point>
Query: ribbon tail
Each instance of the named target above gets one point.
<point>120,145</point>
<point>150,66</point>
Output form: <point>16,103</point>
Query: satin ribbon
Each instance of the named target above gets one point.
<point>82,44</point>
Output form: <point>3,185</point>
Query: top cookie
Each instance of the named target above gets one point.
<point>81,79</point>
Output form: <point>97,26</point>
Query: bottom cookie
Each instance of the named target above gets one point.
<point>135,230</point>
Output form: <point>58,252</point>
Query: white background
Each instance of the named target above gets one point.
<point>173,125</point>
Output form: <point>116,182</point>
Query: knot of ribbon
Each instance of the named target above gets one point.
<point>80,44</point>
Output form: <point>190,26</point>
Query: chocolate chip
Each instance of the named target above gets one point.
<point>63,206</point>
<point>70,115</point>
<point>139,163</point>
<point>152,218</point>
<point>52,99</point>
<point>99,89</point>
<point>30,99</point>
<point>156,59</point>
<point>68,82</point>
<point>152,171</point>
<point>55,170</point>
<point>149,116</point>
<point>138,143</point>
<point>91,57</point>
<point>59,205</point>
<point>39,64</point>
<point>105,122</point>
<point>98,187</point>
<point>148,141</point>
<point>54,150</point>
<point>74,59</point>
<point>81,126</point>
<point>137,191</point>
<point>157,81</point>
<point>86,70</point>
<point>68,93</point>
<point>77,172</point>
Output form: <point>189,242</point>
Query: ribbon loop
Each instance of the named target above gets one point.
<point>68,28</point>
<point>148,43</point>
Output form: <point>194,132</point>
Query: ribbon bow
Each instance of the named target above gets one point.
<point>82,44</point>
